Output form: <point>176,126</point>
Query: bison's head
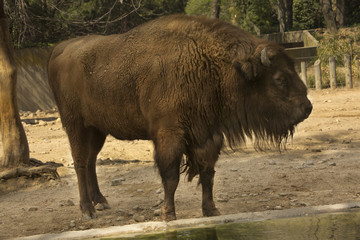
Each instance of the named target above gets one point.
<point>274,97</point>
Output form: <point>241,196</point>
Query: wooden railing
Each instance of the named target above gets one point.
<point>349,81</point>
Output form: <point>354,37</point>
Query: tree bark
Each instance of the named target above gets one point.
<point>15,145</point>
<point>329,16</point>
<point>289,14</point>
<point>340,10</point>
<point>281,15</point>
<point>215,13</point>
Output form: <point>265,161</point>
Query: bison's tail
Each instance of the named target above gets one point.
<point>49,56</point>
<point>190,167</point>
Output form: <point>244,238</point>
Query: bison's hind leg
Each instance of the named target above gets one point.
<point>85,144</point>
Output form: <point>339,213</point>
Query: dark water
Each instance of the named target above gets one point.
<point>323,226</point>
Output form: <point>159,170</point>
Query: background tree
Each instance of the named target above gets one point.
<point>307,14</point>
<point>44,22</point>
<point>289,14</point>
<point>257,16</point>
<point>15,145</point>
<point>281,11</point>
<point>339,12</point>
<point>40,22</point>
<point>352,12</point>
<point>285,14</point>
<point>215,13</point>
<point>329,15</point>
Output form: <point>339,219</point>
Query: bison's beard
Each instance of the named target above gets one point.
<point>272,134</point>
<point>266,130</point>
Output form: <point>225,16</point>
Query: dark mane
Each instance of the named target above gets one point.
<point>250,117</point>
<point>242,117</point>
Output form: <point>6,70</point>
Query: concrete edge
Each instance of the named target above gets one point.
<point>154,227</point>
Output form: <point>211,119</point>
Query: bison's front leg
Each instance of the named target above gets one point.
<point>168,154</point>
<point>207,182</point>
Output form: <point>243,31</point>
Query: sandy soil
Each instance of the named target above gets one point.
<point>321,166</point>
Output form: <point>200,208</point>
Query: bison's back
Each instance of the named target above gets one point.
<point>164,72</point>
<point>90,80</point>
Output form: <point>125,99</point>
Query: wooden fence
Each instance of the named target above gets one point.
<point>332,73</point>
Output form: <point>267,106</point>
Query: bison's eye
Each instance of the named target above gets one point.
<point>280,80</point>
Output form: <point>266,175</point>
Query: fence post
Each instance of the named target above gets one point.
<point>358,69</point>
<point>348,74</point>
<point>317,67</point>
<point>303,73</point>
<point>332,70</point>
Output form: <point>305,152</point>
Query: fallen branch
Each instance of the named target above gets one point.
<point>40,170</point>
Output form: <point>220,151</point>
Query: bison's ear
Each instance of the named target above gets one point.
<point>255,65</point>
<point>245,69</point>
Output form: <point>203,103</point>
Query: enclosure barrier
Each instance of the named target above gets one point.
<point>332,72</point>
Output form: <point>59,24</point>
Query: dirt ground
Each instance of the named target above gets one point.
<point>320,166</point>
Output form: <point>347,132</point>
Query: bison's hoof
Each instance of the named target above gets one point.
<point>106,205</point>
<point>167,215</point>
<point>211,212</point>
<point>87,216</point>
<point>102,206</point>
<point>88,211</point>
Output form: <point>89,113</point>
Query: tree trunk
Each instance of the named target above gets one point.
<point>289,15</point>
<point>340,10</point>
<point>215,13</point>
<point>329,15</point>
<point>281,15</point>
<point>15,145</point>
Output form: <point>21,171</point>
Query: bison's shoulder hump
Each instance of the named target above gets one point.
<point>192,26</point>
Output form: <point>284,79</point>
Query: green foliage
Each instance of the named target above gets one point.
<point>307,14</point>
<point>252,15</point>
<point>345,41</point>
<point>42,22</point>
<point>156,8</point>
<point>311,81</point>
<point>203,8</point>
<point>258,16</point>
<point>325,77</point>
<point>199,7</point>
<point>352,12</point>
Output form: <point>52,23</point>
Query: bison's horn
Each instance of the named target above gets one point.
<point>265,58</point>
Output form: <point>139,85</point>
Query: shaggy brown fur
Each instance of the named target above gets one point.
<point>184,83</point>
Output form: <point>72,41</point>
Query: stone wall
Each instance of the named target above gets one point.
<point>287,37</point>
<point>32,86</point>
<point>305,52</point>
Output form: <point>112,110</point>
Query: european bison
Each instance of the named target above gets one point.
<point>186,83</point>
